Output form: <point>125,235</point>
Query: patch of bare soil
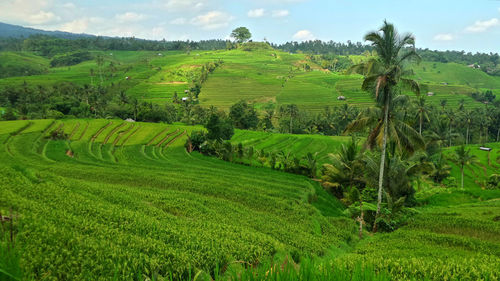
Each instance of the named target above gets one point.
<point>172,83</point>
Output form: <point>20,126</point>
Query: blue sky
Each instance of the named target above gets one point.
<point>438,24</point>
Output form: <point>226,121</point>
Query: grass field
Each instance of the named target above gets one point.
<point>261,77</point>
<point>119,199</point>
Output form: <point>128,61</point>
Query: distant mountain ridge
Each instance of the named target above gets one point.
<point>17,31</point>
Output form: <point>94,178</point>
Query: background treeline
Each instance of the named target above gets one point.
<point>50,46</point>
<point>487,62</point>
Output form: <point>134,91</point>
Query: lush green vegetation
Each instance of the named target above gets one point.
<point>271,187</point>
<point>74,194</point>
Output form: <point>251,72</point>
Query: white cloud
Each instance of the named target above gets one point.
<point>257,13</point>
<point>76,26</point>
<point>185,5</point>
<point>280,13</point>
<point>42,17</point>
<point>68,5</point>
<point>481,26</point>
<point>444,37</point>
<point>178,21</point>
<point>28,12</point>
<point>130,17</point>
<point>303,35</point>
<point>212,20</point>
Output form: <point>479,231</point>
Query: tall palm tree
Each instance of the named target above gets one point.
<point>385,76</point>
<point>293,112</point>
<point>422,112</point>
<point>467,116</point>
<point>443,103</point>
<point>463,158</point>
<point>451,118</point>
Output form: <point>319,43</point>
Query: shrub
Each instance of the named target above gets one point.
<point>70,59</point>
<point>450,182</point>
<point>493,182</point>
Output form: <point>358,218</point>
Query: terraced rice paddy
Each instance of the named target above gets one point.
<point>118,198</point>
<point>260,77</point>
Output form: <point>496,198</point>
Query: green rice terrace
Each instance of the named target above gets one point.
<point>124,200</point>
<point>261,77</point>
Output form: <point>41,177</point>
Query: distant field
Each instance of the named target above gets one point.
<point>260,77</point>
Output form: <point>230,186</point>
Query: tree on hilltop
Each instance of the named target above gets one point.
<point>241,34</point>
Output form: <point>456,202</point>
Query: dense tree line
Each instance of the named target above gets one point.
<point>50,46</point>
<point>488,62</point>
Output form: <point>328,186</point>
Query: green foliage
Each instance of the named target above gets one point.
<point>70,59</point>
<point>243,115</point>
<point>493,182</point>
<point>10,252</point>
<point>219,127</point>
<point>256,46</point>
<point>241,34</point>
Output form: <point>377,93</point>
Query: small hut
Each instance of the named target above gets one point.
<point>341,98</point>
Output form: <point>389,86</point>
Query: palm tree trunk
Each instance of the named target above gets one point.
<point>361,221</point>
<point>467,135</point>
<point>290,123</point>
<point>382,165</point>
<point>462,172</point>
<point>498,134</point>
<point>420,129</point>
<point>450,134</point>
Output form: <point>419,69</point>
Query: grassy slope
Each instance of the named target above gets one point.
<point>475,176</point>
<point>128,63</point>
<point>23,60</point>
<point>124,206</point>
<point>297,145</point>
<point>460,81</point>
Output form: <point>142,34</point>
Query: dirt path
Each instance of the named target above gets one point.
<point>100,131</point>
<point>77,126</point>
<point>155,137</point>
<point>84,131</point>
<point>122,134</point>
<point>176,138</point>
<point>129,136</point>
<point>166,138</point>
<point>113,132</point>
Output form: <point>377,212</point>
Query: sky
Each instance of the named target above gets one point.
<point>438,24</point>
